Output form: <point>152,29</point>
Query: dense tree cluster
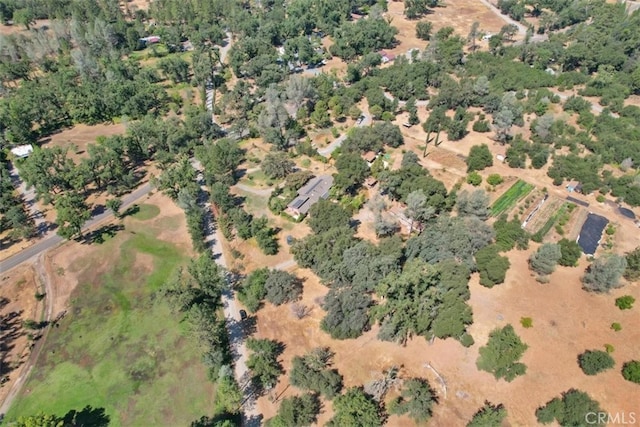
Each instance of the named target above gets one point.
<point>571,409</point>
<point>263,362</point>
<point>593,362</point>
<point>488,415</point>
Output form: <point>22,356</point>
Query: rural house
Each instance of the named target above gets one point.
<point>317,188</point>
<point>370,157</point>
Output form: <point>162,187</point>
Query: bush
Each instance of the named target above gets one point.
<point>501,354</point>
<point>481,126</point>
<point>609,348</point>
<point>474,179</point>
<point>492,266</point>
<point>570,251</point>
<point>604,273</point>
<point>625,302</point>
<point>631,371</point>
<point>526,322</point>
<point>595,361</point>
<point>423,30</point>
<point>479,158</point>
<point>494,179</point>
<point>632,272</point>
<point>296,411</point>
<point>466,340</point>
<point>544,260</point>
<point>616,326</point>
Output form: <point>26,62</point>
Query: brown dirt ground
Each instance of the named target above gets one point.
<point>19,287</point>
<point>79,136</point>
<point>6,30</point>
<point>459,14</point>
<point>567,321</point>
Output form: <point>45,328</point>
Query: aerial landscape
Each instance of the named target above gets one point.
<point>319,212</point>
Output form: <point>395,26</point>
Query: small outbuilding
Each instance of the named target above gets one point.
<point>22,151</point>
<point>574,186</point>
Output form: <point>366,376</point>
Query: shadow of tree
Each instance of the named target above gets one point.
<point>87,417</point>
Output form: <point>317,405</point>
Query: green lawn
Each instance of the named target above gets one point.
<point>119,348</point>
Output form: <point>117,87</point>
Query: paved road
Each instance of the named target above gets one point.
<point>326,151</point>
<point>54,240</point>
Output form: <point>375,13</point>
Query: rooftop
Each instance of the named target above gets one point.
<point>317,188</point>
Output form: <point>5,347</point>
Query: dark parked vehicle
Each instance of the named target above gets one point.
<point>289,240</point>
<point>243,315</point>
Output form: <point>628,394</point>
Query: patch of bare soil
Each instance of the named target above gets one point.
<point>79,136</point>
<point>17,305</point>
<point>6,30</point>
<point>566,319</point>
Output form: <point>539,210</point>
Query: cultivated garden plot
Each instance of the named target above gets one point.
<point>508,200</point>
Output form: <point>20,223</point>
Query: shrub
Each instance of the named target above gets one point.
<point>252,291</point>
<point>625,302</point>
<point>631,371</point>
<point>544,260</point>
<point>423,30</point>
<point>616,326</point>
<point>609,348</point>
<point>479,158</point>
<point>632,272</point>
<point>494,179</point>
<point>570,251</point>
<point>481,126</point>
<point>466,340</point>
<point>595,361</point>
<point>474,179</point>
<point>600,198</point>
<point>526,322</point>
<point>604,273</point>
<point>492,266</point>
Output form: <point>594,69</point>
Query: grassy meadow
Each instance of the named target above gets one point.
<point>119,347</point>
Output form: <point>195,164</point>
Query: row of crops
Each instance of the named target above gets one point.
<point>508,200</point>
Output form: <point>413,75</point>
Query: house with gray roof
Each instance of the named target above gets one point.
<point>317,188</point>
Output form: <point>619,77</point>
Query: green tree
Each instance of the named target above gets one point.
<point>355,409</point>
<point>416,399</point>
<point>114,205</point>
<point>595,361</point>
<point>423,30</point>
<point>631,371</point>
<point>492,266</point>
<point>625,302</point>
<point>501,354</point>
<point>474,178</point>
<point>253,291</point>
<point>296,411</point>
<point>352,170</point>
<point>325,215</point>
<point>320,116</point>
<point>263,361</point>
<point>632,272</point>
<point>24,17</point>
<point>494,179</point>
<point>312,372</point>
<point>479,158</point>
<point>228,394</point>
<point>475,203</point>
<point>570,410</point>
<point>604,273</point>
<point>545,259</point>
<point>282,287</point>
<point>570,251</point>
<point>347,312</point>
<point>72,213</point>
<point>488,416</point>
<point>277,165</point>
